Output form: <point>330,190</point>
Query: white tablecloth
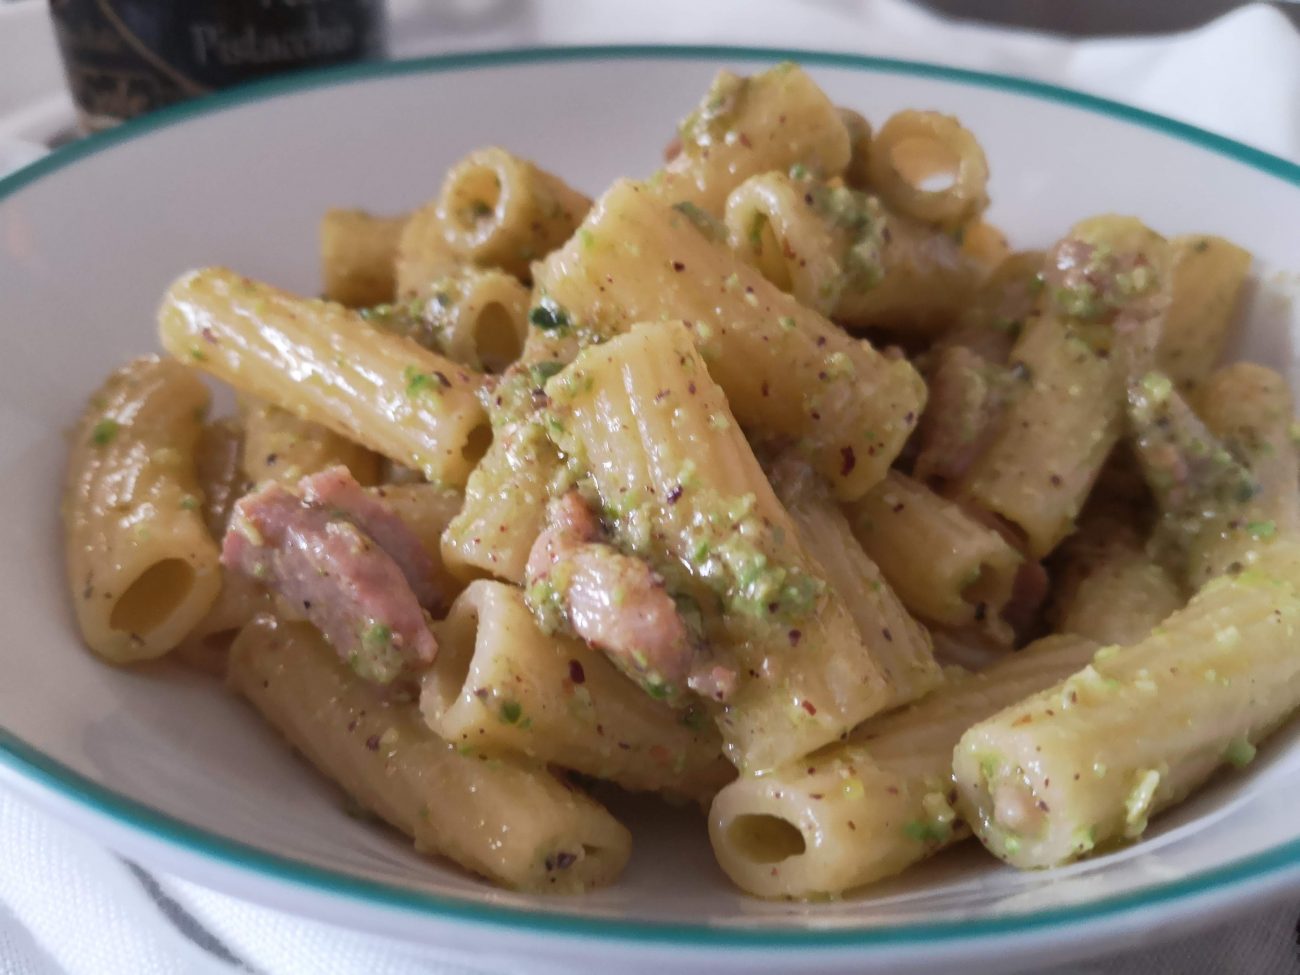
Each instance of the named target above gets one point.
<point>69,906</point>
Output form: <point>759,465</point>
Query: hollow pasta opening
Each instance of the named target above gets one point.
<point>456,641</point>
<point>477,443</point>
<point>763,838</point>
<point>927,164</point>
<point>770,253</point>
<point>153,597</point>
<point>475,195</point>
<point>496,337</point>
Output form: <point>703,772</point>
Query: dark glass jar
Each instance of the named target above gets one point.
<point>125,57</point>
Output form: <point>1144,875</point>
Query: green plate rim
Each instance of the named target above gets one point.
<point>39,769</point>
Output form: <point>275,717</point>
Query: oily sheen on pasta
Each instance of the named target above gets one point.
<point>777,482</point>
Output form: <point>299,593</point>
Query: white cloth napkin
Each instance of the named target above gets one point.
<point>69,907</point>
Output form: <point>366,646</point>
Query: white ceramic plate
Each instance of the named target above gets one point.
<point>158,764</point>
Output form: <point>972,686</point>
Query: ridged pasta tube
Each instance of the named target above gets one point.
<point>1108,587</point>
<point>218,465</point>
<point>907,654</point>
<point>475,316</point>
<point>326,364</point>
<point>870,807</point>
<point>774,120</point>
<point>498,210</point>
<point>282,446</point>
<point>925,282</point>
<point>358,252</point>
<point>499,682</point>
<point>946,566</point>
<point>426,509</point>
<point>505,498</point>
<point>680,486</point>
<point>1208,276</point>
<point>1107,284</point>
<point>1249,408</point>
<point>839,252</point>
<point>1065,416</point>
<point>141,565</point>
<point>786,370</point>
<point>507,819</point>
<point>1087,762</point>
<point>423,254</point>
<point>915,149</point>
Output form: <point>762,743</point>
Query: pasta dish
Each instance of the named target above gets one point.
<point>777,483</point>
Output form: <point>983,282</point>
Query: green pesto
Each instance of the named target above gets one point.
<point>375,657</point>
<point>1084,839</point>
<point>545,597</point>
<point>927,831</point>
<point>860,220</point>
<point>510,712</point>
<point>1196,480</point>
<point>540,372</point>
<point>1239,753</point>
<point>731,550</point>
<point>104,432</point>
<point>1082,301</point>
<point>549,316</point>
<point>1262,530</point>
<point>990,764</point>
<point>422,383</point>
<point>1137,805</point>
<point>518,395</point>
<point>417,319</point>
<point>712,121</point>
<point>1087,301</point>
<point>705,223</point>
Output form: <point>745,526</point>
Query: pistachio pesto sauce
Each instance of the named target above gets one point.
<point>739,581</point>
<point>831,243</point>
<point>430,317</point>
<point>1015,819</point>
<point>713,122</point>
<point>1196,480</point>
<point>1042,800</point>
<point>1108,266</point>
<point>411,319</point>
<point>859,228</point>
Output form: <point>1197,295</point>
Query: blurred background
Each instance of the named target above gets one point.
<point>1098,17</point>
<point>125,57</point>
